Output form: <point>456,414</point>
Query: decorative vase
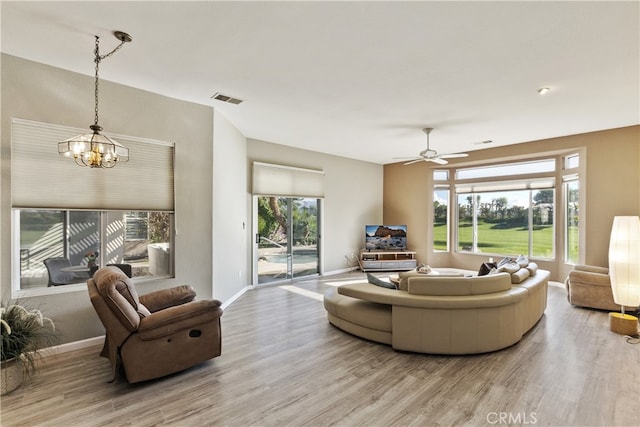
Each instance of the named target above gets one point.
<point>12,375</point>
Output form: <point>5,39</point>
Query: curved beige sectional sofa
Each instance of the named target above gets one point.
<point>443,314</point>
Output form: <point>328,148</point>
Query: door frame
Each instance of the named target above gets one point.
<point>254,242</point>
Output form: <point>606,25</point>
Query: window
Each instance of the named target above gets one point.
<point>520,168</point>
<point>441,219</point>
<point>78,236</point>
<point>571,189</point>
<point>507,217</point>
<point>122,215</point>
<point>572,236</point>
<point>509,208</point>
<point>440,175</point>
<point>572,161</point>
<point>441,210</point>
<point>506,222</point>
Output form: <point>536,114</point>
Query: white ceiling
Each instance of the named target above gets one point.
<point>361,79</point>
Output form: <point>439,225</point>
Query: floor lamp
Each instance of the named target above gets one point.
<point>624,269</point>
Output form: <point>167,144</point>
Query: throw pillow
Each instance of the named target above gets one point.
<point>509,265</point>
<point>522,261</point>
<point>375,281</point>
<point>505,260</point>
<point>423,268</point>
<point>486,267</point>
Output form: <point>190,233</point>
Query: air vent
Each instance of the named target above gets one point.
<point>226,98</point>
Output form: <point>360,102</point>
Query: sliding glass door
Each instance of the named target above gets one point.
<point>287,238</point>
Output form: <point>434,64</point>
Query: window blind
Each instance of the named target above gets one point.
<point>41,178</point>
<point>279,180</point>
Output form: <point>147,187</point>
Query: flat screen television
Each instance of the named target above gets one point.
<point>386,237</point>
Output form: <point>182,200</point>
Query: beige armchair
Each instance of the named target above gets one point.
<point>590,286</point>
<point>155,334</point>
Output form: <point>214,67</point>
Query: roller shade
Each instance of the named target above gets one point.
<point>279,180</point>
<point>41,178</point>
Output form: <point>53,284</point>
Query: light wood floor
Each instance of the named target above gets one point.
<point>282,364</point>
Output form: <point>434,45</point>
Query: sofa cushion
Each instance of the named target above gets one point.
<point>404,277</point>
<point>357,311</point>
<point>403,284</point>
<point>450,286</point>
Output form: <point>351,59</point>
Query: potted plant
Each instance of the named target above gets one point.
<point>24,333</point>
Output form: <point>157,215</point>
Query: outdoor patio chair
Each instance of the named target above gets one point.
<point>59,277</point>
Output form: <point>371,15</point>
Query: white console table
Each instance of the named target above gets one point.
<point>386,260</point>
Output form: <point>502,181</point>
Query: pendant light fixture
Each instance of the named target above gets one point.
<point>94,149</point>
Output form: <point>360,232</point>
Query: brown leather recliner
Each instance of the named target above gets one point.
<point>155,334</point>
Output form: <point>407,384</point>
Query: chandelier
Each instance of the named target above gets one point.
<point>94,149</point>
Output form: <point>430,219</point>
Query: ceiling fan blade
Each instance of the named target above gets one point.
<point>453,155</point>
<point>429,155</point>
<point>438,160</point>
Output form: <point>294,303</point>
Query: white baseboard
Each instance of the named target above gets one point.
<point>228,302</point>
<point>72,346</point>
<point>342,270</point>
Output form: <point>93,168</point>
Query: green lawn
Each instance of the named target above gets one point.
<point>573,241</point>
<point>503,241</point>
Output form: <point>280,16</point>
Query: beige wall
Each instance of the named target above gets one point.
<point>405,203</point>
<point>231,223</point>
<point>612,184</point>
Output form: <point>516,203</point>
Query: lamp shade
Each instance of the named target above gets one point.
<point>624,260</point>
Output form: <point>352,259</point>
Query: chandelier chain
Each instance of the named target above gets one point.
<point>97,60</point>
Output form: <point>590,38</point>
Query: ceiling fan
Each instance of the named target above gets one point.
<point>430,155</point>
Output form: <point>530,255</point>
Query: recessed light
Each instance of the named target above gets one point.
<point>543,90</point>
